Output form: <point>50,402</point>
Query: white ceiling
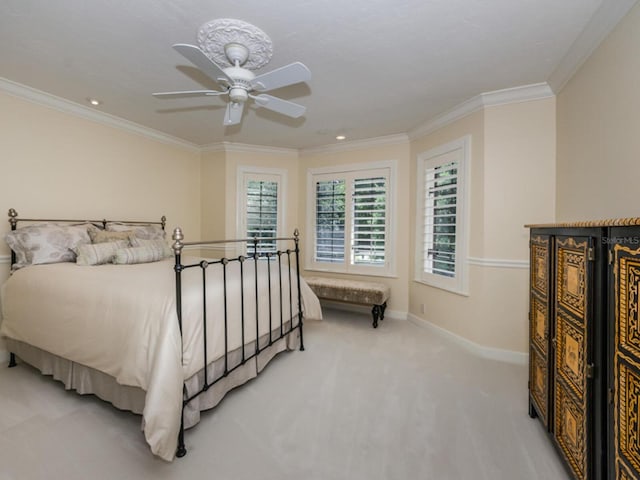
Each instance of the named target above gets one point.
<point>379,67</point>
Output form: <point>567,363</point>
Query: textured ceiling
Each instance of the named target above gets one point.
<point>379,67</point>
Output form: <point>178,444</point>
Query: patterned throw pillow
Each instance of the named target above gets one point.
<point>99,253</point>
<point>145,232</point>
<point>101,236</point>
<point>46,243</point>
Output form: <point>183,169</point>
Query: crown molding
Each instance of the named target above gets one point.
<point>247,148</point>
<point>67,106</point>
<point>598,28</point>
<point>524,93</point>
<point>356,145</point>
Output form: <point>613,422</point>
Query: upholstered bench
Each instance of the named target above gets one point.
<point>351,291</point>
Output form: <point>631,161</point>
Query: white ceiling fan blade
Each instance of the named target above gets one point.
<point>281,77</point>
<point>278,105</point>
<point>204,63</point>
<point>233,113</point>
<point>188,92</point>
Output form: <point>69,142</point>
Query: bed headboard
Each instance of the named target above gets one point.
<point>14,219</point>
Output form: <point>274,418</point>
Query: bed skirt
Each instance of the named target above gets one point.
<point>86,380</point>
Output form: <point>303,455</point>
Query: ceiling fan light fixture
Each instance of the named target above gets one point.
<point>238,95</point>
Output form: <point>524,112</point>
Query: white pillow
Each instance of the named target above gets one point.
<point>46,243</point>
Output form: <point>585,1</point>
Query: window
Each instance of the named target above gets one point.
<point>351,228</point>
<point>260,206</point>
<point>441,216</point>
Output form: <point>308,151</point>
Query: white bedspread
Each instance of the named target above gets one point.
<point>121,320</point>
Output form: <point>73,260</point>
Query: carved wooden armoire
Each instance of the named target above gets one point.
<point>584,363</point>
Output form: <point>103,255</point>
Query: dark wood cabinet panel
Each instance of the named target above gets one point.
<point>626,356</point>
<point>572,370</point>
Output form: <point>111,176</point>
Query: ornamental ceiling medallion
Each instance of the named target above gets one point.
<point>213,36</point>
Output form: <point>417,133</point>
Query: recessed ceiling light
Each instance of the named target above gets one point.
<point>93,101</point>
<point>340,137</point>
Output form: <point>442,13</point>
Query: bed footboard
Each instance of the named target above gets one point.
<point>278,288</point>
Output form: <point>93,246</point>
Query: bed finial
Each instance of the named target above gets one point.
<point>177,241</point>
<point>296,236</point>
<point>13,218</point>
<point>163,221</point>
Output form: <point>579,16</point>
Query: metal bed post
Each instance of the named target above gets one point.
<point>296,239</point>
<point>268,255</point>
<point>255,271</point>
<point>177,250</point>
<point>13,220</point>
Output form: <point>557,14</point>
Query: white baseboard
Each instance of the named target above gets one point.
<point>509,356</point>
<point>351,307</point>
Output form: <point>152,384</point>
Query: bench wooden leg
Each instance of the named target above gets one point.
<point>12,360</point>
<point>376,312</point>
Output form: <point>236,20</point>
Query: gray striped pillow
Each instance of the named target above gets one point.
<point>144,254</point>
<point>99,253</point>
<point>159,245</point>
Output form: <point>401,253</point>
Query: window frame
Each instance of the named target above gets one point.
<point>388,169</point>
<point>433,158</point>
<point>251,173</point>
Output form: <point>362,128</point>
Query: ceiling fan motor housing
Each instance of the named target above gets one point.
<point>239,91</point>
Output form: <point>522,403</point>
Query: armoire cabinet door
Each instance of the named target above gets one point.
<point>539,324</point>
<point>571,427</point>
<point>626,358</point>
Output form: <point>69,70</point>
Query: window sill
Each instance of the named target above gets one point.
<point>456,291</point>
<point>344,272</point>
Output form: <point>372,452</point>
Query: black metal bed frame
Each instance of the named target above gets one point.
<point>275,333</point>
<point>254,258</point>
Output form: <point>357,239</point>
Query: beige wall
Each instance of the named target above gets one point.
<point>398,152</point>
<point>214,191</point>
<point>59,165</point>
<point>56,165</point>
<point>512,183</point>
<point>519,175</point>
<point>598,130</point>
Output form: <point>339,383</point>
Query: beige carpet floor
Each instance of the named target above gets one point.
<point>397,402</point>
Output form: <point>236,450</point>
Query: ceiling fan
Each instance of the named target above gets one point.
<point>240,47</point>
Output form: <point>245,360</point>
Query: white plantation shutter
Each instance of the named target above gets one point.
<point>262,213</point>
<point>261,207</point>
<point>330,221</point>
<point>440,208</point>
<point>369,220</point>
<point>351,222</point>
<point>442,216</point>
